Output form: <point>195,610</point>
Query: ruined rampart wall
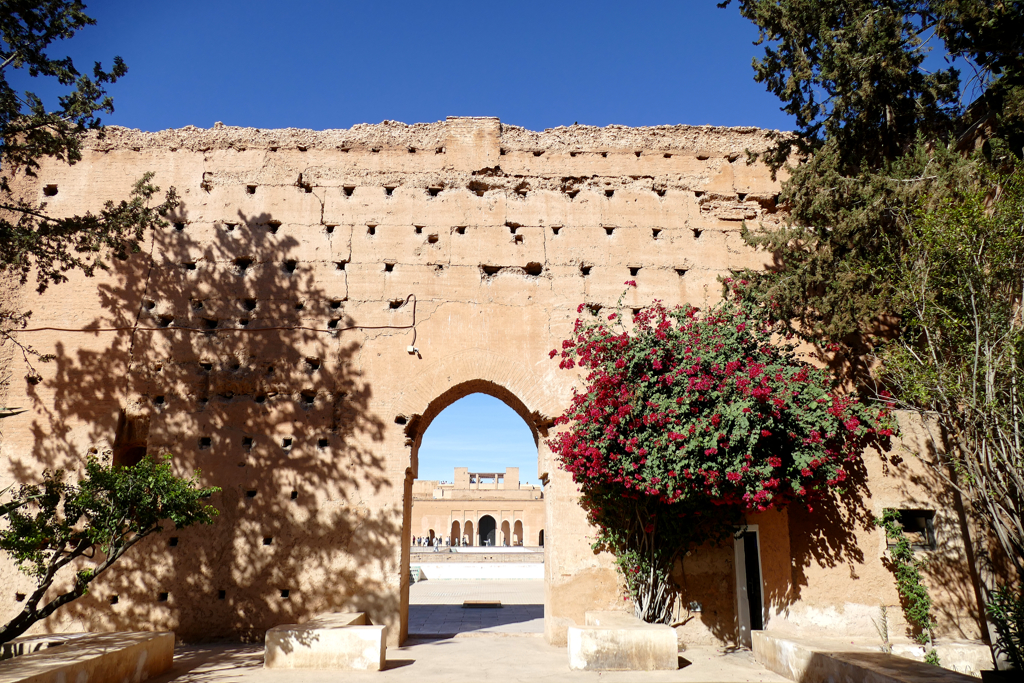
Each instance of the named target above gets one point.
<point>263,336</point>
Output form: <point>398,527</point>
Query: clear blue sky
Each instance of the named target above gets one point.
<point>332,64</point>
<point>335,64</point>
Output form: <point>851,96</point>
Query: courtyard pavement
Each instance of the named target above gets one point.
<point>435,607</point>
<point>448,643</point>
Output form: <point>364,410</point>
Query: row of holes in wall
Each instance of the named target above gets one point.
<point>165,596</point>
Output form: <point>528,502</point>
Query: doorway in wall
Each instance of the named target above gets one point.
<point>749,591</point>
<point>476,464</point>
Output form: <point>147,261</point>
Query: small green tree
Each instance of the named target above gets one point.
<point>690,419</point>
<point>88,525</point>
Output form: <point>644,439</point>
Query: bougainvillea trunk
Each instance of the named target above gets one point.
<point>687,421</point>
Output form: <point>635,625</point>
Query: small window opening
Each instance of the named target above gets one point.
<point>585,270</point>
<point>50,190</point>
<point>919,528</point>
<point>502,151</point>
<point>412,150</point>
<point>172,541</point>
<point>323,443</point>
<point>636,312</point>
<point>348,190</point>
<point>534,269</point>
<point>595,309</point>
<point>222,594</point>
<point>634,270</point>
<point>205,442</point>
<point>572,154</point>
<point>250,189</point>
<point>439,150</point>
<point>162,597</point>
<point>389,267</point>
<point>609,231</point>
<point>289,266</point>
<point>268,540</point>
<point>434,191</point>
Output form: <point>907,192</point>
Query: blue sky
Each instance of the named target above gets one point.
<point>335,64</point>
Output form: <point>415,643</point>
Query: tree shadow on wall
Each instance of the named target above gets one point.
<point>235,359</point>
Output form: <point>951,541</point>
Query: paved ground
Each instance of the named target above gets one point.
<point>435,607</point>
<point>498,658</point>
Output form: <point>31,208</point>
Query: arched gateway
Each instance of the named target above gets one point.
<point>319,297</point>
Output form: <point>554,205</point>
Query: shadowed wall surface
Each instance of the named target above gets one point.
<point>320,297</point>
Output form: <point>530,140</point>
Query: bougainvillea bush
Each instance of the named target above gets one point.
<point>690,419</point>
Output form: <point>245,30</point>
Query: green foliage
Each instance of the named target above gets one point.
<point>1006,610</point>
<point>914,598</point>
<point>689,419</point>
<point>29,236</point>
<point>90,524</point>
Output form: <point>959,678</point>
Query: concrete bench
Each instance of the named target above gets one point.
<point>339,640</point>
<point>616,641</point>
<point>118,657</point>
<point>806,661</point>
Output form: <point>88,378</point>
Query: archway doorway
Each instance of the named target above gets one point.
<point>488,528</point>
<point>476,475</point>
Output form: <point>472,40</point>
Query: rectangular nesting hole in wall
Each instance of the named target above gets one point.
<point>604,155</point>
<point>636,312</point>
<point>179,226</point>
<point>323,443</point>
<point>299,306</point>
<point>680,272</point>
<point>273,227</point>
<point>249,304</point>
<point>555,229</point>
<point>634,270</point>
<point>222,594</point>
<point>250,189</point>
<point>308,397</point>
<point>661,192</point>
<point>329,229</point>
<point>260,399</point>
<point>113,599</point>
<point>697,232</point>
<point>289,266</point>
<point>242,264</point>
<point>340,265</point>
<point>163,597</point>
<point>389,191</point>
<point>158,400</point>
<point>312,364</point>
<point>332,324</point>
<point>285,593</point>
<point>518,239</point>
<point>335,304</point>
<point>173,541</point>
<point>389,267</point>
<point>433,191</point>
<point>432,238</point>
<point>461,229</point>
<point>205,366</point>
<point>230,227</point>
<point>294,495</point>
<point>268,540</point>
<point>490,270</point>
<point>609,231</point>
<point>609,193</point>
<point>655,232</point>
<point>572,194</point>
<point>371,229</point>
<point>411,150</point>
<point>585,270</point>
<point>251,493</point>
<point>637,153</point>
<point>19,597</point>
<point>286,443</point>
<point>534,269</point>
<point>210,323</point>
<point>395,303</point>
<point>247,443</point>
<point>50,190</point>
<point>348,190</point>
<point>667,155</point>
<point>205,442</point>
<point>741,196</point>
<point>189,265</point>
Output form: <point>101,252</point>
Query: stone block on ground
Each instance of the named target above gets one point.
<point>339,640</point>
<point>123,657</point>
<point>616,641</point>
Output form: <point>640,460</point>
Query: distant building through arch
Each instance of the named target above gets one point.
<point>494,504</point>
